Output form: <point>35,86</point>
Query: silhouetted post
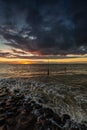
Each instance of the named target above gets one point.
<point>65,73</point>
<point>48,69</point>
<point>65,70</point>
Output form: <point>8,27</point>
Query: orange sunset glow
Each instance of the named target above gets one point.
<point>44,61</point>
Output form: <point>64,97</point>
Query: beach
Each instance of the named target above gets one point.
<point>42,102</point>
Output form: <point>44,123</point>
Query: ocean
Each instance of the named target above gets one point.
<point>11,71</point>
<point>64,90</point>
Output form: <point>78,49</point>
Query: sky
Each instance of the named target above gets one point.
<point>33,31</point>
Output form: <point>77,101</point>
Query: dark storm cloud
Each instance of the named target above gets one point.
<point>47,27</point>
<point>79,17</point>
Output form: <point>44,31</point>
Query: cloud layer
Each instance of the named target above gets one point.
<point>45,27</point>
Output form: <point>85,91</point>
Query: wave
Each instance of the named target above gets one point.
<point>62,99</point>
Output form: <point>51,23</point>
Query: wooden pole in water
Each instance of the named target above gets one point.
<point>65,71</point>
<point>48,69</point>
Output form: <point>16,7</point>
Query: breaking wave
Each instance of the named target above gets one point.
<point>62,99</point>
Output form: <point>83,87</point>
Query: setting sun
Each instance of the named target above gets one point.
<point>26,62</point>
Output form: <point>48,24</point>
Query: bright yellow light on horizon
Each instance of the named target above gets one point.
<point>69,60</point>
<point>26,62</point>
<point>15,61</point>
<point>43,61</point>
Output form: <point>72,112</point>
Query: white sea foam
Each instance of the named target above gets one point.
<point>61,98</point>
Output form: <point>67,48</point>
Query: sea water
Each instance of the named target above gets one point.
<point>64,90</point>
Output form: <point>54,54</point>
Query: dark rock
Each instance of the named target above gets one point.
<point>47,124</point>
<point>57,119</point>
<point>2,103</point>
<point>40,101</point>
<point>48,113</point>
<point>3,94</point>
<point>83,127</point>
<point>2,115</point>
<point>75,129</point>
<point>23,112</point>
<point>11,121</point>
<point>65,118</point>
<point>18,113</point>
<point>26,122</point>
<point>16,90</point>
<point>19,96</point>
<point>7,90</point>
<point>4,127</point>
<point>18,104</point>
<point>37,106</point>
<point>51,125</point>
<point>7,108</point>
<point>28,108</point>
<point>14,109</point>
<point>2,121</point>
<point>10,114</point>
<point>41,111</point>
<point>2,110</point>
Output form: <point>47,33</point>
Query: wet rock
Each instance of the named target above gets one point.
<point>50,124</point>
<point>18,104</point>
<point>7,108</point>
<point>2,121</point>
<point>83,127</point>
<point>10,114</point>
<point>4,127</point>
<point>2,103</point>
<point>2,94</point>
<point>67,125</point>
<point>36,112</point>
<point>26,122</point>
<point>1,127</point>
<point>48,113</point>
<point>40,101</point>
<point>28,108</point>
<point>14,109</point>
<point>47,124</point>
<point>16,90</point>
<point>42,111</point>
<point>3,115</point>
<point>40,121</point>
<point>65,117</point>
<point>2,110</point>
<point>57,119</point>
<point>23,112</point>
<point>75,126</point>
<point>11,122</point>
<point>32,103</point>
<point>74,129</point>
<point>18,113</point>
<point>7,90</point>
<point>8,103</point>
<point>20,96</point>
<point>37,106</point>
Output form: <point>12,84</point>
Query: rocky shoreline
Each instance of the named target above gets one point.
<point>19,113</point>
